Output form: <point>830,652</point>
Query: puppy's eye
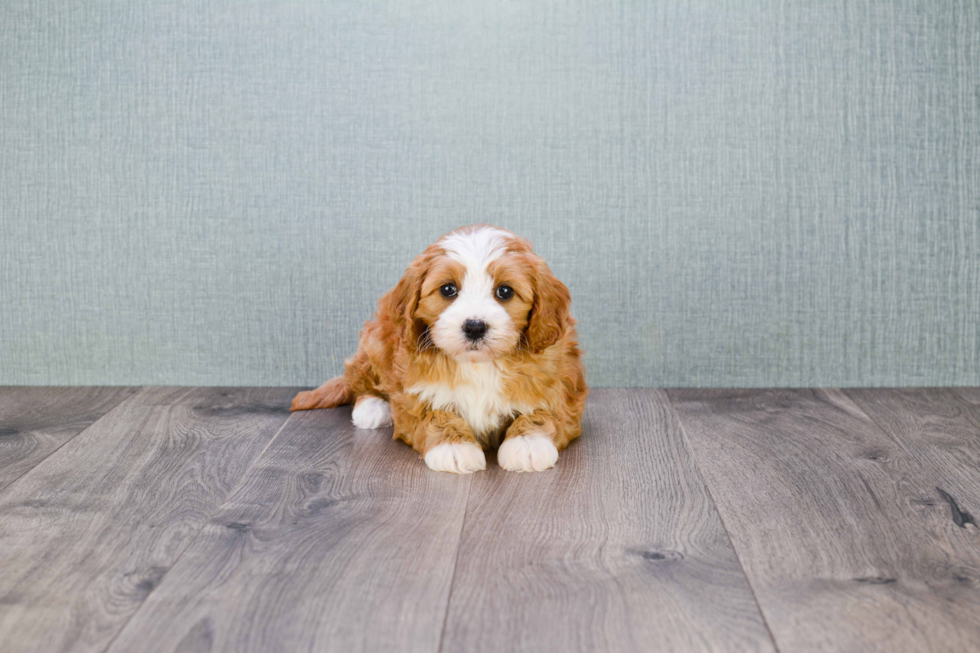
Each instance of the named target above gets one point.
<point>504,292</point>
<point>448,290</point>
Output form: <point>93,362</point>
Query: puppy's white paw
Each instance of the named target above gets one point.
<point>371,413</point>
<point>463,458</point>
<point>527,453</point>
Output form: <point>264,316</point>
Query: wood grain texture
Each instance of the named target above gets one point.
<point>338,539</point>
<point>36,421</point>
<point>971,395</point>
<point>619,548</point>
<point>941,430</point>
<point>90,531</point>
<point>837,522</point>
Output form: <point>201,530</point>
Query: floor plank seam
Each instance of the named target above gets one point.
<point>191,541</point>
<point>452,578</point>
<point>721,518</point>
<point>115,406</point>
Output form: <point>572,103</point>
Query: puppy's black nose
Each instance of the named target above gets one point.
<point>474,329</point>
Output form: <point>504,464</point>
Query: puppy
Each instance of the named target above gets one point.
<point>475,343</point>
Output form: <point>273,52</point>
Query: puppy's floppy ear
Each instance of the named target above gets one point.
<point>403,300</point>
<point>550,310</point>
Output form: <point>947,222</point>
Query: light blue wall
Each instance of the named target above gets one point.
<point>737,193</point>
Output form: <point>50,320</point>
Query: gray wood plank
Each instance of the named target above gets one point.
<point>939,429</point>
<point>90,531</point>
<point>619,548</point>
<point>337,540</point>
<point>971,395</point>
<point>35,421</point>
<point>838,523</point>
<point>218,399</point>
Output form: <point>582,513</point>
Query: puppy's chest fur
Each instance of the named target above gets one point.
<point>478,397</point>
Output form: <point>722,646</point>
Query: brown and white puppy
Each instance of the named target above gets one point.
<point>474,343</point>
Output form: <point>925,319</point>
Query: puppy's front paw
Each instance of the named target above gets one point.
<point>458,458</point>
<point>527,453</point>
<point>371,413</point>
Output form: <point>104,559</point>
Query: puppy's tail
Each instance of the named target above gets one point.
<point>334,392</point>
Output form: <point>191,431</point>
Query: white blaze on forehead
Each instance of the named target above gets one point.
<point>476,249</point>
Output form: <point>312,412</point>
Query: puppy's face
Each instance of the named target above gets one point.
<point>482,293</point>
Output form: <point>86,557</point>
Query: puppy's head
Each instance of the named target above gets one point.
<point>479,293</point>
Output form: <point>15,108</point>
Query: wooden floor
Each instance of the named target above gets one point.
<point>211,519</point>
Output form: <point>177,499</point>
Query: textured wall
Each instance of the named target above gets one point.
<point>737,193</point>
